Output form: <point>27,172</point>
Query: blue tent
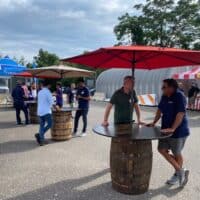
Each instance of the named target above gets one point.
<point>9,67</point>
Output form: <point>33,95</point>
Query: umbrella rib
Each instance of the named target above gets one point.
<point>139,60</point>
<point>148,57</point>
<point>180,58</point>
<point>41,71</point>
<point>85,55</point>
<point>109,59</point>
<point>136,61</point>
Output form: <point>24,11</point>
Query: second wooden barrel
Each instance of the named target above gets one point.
<point>34,119</point>
<point>131,165</point>
<point>62,125</point>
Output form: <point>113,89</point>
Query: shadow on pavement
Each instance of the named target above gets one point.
<point>17,146</point>
<point>6,125</point>
<point>6,109</point>
<point>78,189</point>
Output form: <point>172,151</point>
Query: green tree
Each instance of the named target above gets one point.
<point>22,61</point>
<point>166,23</point>
<point>129,30</point>
<point>29,65</point>
<point>44,59</point>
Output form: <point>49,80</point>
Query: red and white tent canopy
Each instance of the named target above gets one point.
<point>192,74</point>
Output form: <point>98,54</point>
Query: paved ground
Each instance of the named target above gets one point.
<point>79,168</point>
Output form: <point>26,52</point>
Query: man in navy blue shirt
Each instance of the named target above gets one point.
<point>83,98</point>
<point>172,111</point>
<point>18,99</point>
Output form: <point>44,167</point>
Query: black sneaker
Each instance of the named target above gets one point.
<point>44,143</point>
<point>37,136</point>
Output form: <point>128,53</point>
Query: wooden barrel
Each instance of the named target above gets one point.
<point>131,165</point>
<point>62,125</point>
<point>34,119</point>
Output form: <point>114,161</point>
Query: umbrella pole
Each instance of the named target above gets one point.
<point>132,97</point>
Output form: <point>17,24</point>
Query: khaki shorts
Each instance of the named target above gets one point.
<point>176,145</point>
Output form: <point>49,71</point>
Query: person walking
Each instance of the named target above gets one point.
<point>121,100</point>
<point>18,99</point>
<point>59,95</point>
<point>83,98</point>
<point>172,111</point>
<point>45,103</point>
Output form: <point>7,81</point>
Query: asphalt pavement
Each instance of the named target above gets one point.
<point>78,169</point>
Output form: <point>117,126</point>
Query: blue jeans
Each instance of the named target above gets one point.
<point>80,113</point>
<point>43,126</point>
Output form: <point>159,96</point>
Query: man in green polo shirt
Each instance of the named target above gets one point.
<point>121,100</point>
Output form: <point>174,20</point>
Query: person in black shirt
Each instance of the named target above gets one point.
<point>192,94</point>
<point>83,98</point>
<point>18,100</point>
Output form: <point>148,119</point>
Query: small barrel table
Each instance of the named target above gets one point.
<point>131,155</point>
<point>62,124</point>
<point>32,106</point>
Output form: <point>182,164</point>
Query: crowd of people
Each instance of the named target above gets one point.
<point>171,110</point>
<point>46,101</point>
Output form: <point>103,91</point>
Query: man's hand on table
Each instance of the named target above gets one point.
<point>167,131</point>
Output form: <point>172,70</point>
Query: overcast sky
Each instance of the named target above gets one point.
<point>64,27</point>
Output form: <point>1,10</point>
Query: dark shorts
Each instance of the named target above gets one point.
<point>176,145</point>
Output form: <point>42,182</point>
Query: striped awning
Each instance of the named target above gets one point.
<point>192,74</point>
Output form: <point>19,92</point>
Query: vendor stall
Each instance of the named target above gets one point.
<point>187,79</point>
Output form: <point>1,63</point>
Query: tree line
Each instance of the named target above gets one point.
<point>165,23</point>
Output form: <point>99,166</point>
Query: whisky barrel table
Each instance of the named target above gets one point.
<point>130,155</point>
<point>62,124</point>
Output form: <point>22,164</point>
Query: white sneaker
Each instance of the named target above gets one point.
<point>74,133</point>
<point>83,134</point>
<point>173,180</point>
<point>183,177</point>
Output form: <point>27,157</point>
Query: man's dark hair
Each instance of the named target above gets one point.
<point>128,78</point>
<point>81,80</point>
<point>45,82</point>
<point>171,83</point>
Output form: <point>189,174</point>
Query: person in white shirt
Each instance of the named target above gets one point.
<point>34,90</point>
<point>45,103</point>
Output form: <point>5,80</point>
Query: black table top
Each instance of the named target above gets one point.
<point>133,131</point>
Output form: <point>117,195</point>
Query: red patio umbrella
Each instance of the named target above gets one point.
<point>140,57</point>
<point>29,75</point>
